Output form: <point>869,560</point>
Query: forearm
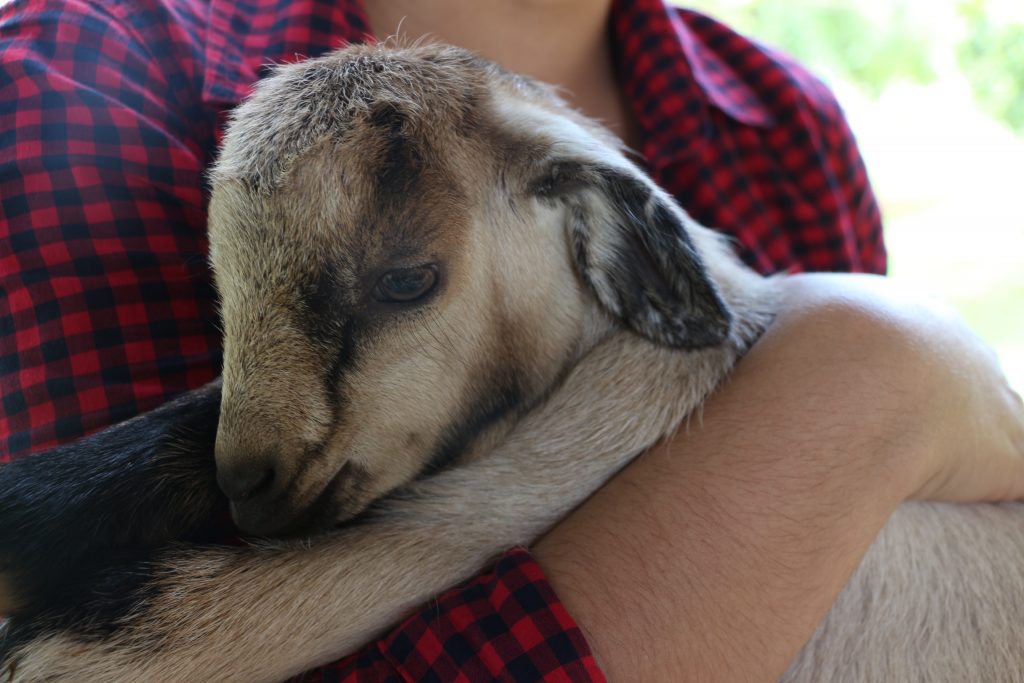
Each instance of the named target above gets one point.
<point>714,557</point>
<point>707,560</point>
<point>703,562</point>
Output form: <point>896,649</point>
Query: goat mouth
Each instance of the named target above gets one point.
<point>320,515</point>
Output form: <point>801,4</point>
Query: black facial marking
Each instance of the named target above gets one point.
<point>344,359</point>
<point>329,319</point>
<point>325,308</point>
<point>401,162</point>
<point>494,404</point>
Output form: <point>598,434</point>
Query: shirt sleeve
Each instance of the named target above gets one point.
<point>505,626</point>
<point>106,303</point>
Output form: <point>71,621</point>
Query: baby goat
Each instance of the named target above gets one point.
<point>443,292</point>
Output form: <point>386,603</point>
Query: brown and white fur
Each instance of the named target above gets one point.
<point>577,317</point>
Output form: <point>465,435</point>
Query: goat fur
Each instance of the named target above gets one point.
<point>939,597</point>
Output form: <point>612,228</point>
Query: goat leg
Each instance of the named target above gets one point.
<point>262,613</point>
<point>71,514</point>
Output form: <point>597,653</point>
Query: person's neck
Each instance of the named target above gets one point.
<point>562,42</point>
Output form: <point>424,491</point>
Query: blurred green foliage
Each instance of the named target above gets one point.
<point>840,39</point>
<point>992,58</point>
<point>872,44</point>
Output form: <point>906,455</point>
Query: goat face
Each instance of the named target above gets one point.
<point>411,246</point>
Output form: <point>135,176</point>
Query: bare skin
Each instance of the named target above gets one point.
<point>846,409</point>
<point>737,536</point>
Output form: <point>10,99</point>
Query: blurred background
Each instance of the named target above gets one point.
<point>934,90</point>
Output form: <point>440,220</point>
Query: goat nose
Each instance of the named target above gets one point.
<point>246,480</point>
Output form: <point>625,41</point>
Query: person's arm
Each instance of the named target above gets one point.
<point>714,556</point>
<point>318,600</point>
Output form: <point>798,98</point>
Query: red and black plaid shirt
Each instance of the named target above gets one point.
<point>109,113</point>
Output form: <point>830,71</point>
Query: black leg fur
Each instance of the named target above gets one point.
<point>79,522</point>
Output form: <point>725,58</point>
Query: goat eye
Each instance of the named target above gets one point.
<point>405,285</point>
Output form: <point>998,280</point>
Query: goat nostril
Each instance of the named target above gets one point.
<point>246,481</point>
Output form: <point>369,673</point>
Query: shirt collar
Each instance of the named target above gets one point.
<point>671,77</point>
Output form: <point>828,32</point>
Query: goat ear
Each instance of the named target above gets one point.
<point>631,247</point>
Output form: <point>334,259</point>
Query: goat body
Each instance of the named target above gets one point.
<point>646,314</point>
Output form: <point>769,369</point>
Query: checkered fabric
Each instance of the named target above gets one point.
<point>110,111</point>
<point>506,625</point>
